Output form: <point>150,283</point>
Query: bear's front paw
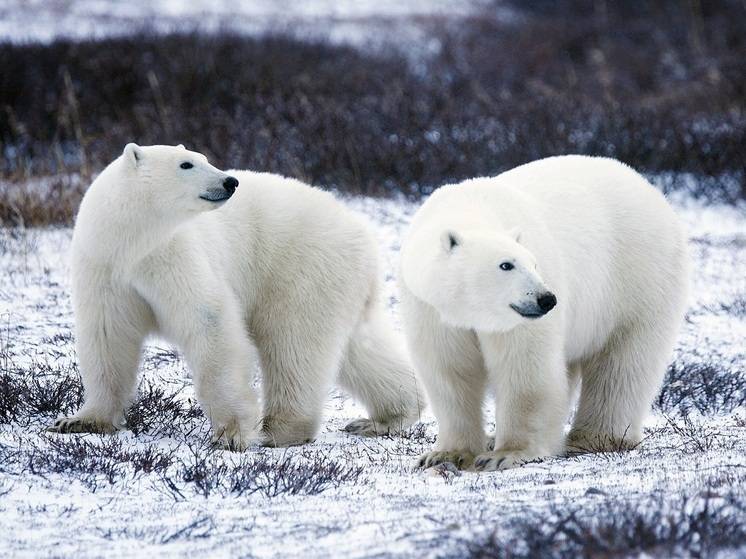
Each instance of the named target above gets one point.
<point>235,436</point>
<point>462,459</point>
<point>81,425</point>
<point>502,460</point>
<point>365,427</point>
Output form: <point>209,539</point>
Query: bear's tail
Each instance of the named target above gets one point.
<point>378,373</point>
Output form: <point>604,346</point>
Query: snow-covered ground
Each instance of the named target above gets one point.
<point>373,22</point>
<point>164,490</point>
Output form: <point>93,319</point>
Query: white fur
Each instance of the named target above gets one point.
<point>281,273</point>
<point>606,243</point>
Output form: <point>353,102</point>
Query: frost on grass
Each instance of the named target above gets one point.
<point>161,487</point>
<point>675,526</point>
<point>703,387</point>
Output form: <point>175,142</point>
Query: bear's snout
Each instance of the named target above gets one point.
<point>546,302</point>
<point>214,194</point>
<point>230,184</point>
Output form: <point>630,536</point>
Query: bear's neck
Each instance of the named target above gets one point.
<point>116,229</point>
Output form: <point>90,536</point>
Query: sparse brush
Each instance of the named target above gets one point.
<point>311,475</point>
<point>38,390</point>
<point>695,436</point>
<point>204,470</point>
<point>62,394</point>
<point>736,307</point>
<point>704,387</point>
<point>89,458</point>
<point>156,411</point>
<point>5,488</point>
<point>207,471</point>
<point>493,96</point>
<point>695,526</point>
<point>11,397</point>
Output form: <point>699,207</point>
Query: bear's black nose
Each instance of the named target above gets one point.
<point>230,184</point>
<point>546,302</point>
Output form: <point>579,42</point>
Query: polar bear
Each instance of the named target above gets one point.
<point>562,271</point>
<point>273,270</point>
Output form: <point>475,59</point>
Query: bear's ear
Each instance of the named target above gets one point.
<point>515,233</point>
<point>181,146</point>
<point>450,240</point>
<point>132,154</point>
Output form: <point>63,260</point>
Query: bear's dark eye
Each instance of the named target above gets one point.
<point>186,165</point>
<point>507,266</point>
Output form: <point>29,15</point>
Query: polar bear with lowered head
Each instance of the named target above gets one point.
<point>232,268</point>
<point>566,270</point>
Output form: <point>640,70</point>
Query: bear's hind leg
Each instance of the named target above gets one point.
<point>298,368</point>
<point>376,371</point>
<point>618,387</point>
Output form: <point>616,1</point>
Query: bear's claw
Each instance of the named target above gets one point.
<point>460,459</point>
<point>235,436</point>
<point>482,462</point>
<point>365,427</point>
<point>501,460</point>
<point>66,425</point>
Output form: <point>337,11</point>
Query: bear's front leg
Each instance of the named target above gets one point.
<point>197,311</point>
<point>108,337</point>
<point>449,363</point>
<point>531,398</point>
<point>223,360</point>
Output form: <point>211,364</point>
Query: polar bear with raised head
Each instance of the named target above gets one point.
<point>565,270</point>
<point>232,268</point>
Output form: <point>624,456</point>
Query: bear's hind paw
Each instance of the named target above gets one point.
<point>287,432</point>
<point>582,442</point>
<point>365,427</point>
<point>234,438</point>
<point>66,425</point>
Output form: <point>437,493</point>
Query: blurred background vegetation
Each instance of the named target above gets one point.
<point>660,85</point>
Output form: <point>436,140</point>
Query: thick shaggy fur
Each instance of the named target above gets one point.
<point>282,274</point>
<point>600,238</point>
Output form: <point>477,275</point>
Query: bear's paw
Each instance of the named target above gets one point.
<point>462,459</point>
<point>364,427</point>
<point>502,460</point>
<point>81,425</point>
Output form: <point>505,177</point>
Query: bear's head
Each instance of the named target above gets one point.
<point>479,280</point>
<point>174,181</point>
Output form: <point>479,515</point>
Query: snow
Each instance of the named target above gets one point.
<point>340,21</point>
<point>388,509</point>
<point>377,506</point>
